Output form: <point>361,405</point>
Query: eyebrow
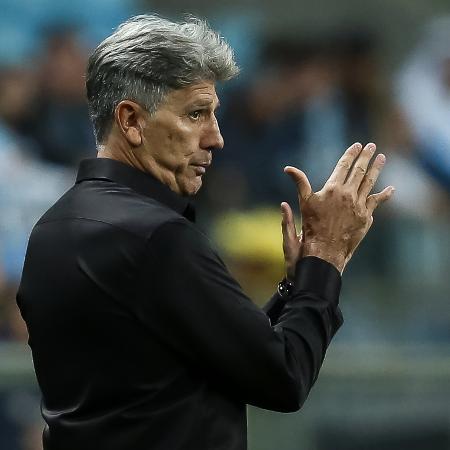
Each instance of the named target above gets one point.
<point>201,103</point>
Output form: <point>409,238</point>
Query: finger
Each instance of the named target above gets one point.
<point>344,164</point>
<point>288,223</point>
<point>376,199</point>
<point>301,180</point>
<point>372,176</point>
<point>359,169</point>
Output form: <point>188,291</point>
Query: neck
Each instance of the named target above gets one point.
<point>117,147</point>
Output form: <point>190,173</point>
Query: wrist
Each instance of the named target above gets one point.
<point>325,251</point>
<point>290,273</point>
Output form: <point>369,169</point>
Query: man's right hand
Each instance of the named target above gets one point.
<point>336,218</point>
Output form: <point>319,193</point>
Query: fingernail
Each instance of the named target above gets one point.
<point>381,158</point>
<point>371,146</point>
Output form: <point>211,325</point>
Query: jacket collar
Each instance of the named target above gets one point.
<point>141,182</point>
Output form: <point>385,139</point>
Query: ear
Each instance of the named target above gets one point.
<point>130,118</point>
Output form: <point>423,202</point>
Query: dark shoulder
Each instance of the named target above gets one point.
<point>112,204</point>
<point>183,240</point>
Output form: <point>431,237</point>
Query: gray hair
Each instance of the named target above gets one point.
<point>145,58</point>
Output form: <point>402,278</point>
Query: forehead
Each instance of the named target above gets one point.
<point>202,93</point>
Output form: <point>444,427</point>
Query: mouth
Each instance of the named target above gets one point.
<point>200,168</point>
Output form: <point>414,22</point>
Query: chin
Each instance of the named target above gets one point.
<point>192,187</point>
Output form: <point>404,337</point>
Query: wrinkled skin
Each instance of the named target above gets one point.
<point>336,218</point>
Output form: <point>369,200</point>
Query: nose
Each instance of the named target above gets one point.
<point>212,138</point>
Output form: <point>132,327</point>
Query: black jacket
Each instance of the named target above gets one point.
<point>142,340</point>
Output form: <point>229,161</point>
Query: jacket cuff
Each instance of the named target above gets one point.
<point>319,276</point>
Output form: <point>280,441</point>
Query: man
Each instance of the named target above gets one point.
<point>141,339</point>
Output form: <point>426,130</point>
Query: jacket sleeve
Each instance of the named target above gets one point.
<point>193,305</point>
<point>274,307</point>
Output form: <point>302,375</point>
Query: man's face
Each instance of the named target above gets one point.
<point>179,137</point>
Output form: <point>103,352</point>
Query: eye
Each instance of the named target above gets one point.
<point>195,115</point>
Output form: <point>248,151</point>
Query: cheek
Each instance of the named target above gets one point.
<point>170,148</point>
<point>181,145</point>
<point>172,143</point>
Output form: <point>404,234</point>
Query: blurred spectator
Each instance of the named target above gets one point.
<point>27,186</point>
<point>61,125</point>
<point>18,89</point>
<point>350,110</point>
<point>418,132</point>
<point>361,81</point>
<point>423,89</point>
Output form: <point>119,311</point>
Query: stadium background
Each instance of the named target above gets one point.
<point>316,77</point>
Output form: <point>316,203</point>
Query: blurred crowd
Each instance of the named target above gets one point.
<point>309,99</point>
<point>303,101</point>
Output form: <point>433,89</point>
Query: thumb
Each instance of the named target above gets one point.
<point>301,180</point>
<point>288,224</point>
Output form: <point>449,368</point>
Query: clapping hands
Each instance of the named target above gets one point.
<point>336,218</point>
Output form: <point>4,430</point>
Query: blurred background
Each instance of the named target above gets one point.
<point>316,77</point>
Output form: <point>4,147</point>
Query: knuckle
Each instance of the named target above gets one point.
<point>344,165</point>
<point>331,187</point>
<point>361,214</point>
<point>373,202</point>
<point>348,196</point>
<point>360,169</point>
<point>371,181</point>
